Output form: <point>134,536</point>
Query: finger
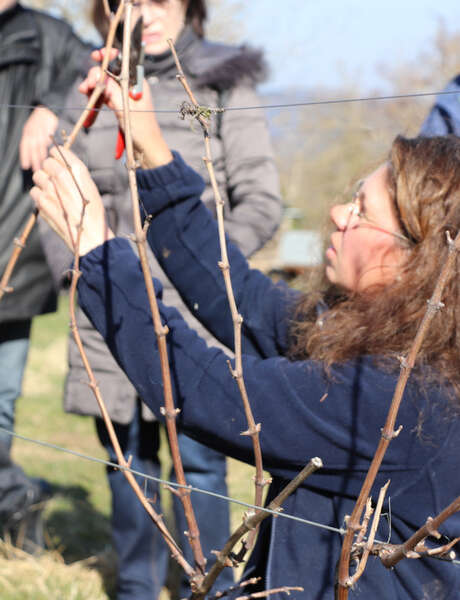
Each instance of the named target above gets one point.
<point>24,154</point>
<point>98,55</point>
<point>65,157</point>
<point>24,160</point>
<point>35,162</point>
<point>52,211</point>
<point>36,194</point>
<point>56,169</point>
<point>43,182</point>
<point>90,81</point>
<point>66,169</point>
<point>46,204</point>
<point>40,178</point>
<point>51,166</point>
<point>39,153</point>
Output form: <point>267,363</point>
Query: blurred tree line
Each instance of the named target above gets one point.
<point>323,149</point>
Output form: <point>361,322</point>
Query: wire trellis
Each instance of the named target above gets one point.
<point>173,484</point>
<point>306,103</point>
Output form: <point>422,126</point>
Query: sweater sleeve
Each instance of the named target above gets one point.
<point>444,117</point>
<point>302,413</point>
<point>184,238</point>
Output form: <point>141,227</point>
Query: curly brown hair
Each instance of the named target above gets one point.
<point>196,15</point>
<point>423,179</point>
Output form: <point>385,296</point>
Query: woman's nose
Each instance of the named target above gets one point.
<point>147,10</point>
<point>342,215</point>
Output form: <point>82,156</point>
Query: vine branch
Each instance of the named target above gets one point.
<point>251,521</point>
<point>202,115</point>
<point>157,519</point>
<point>390,558</point>
<point>161,331</point>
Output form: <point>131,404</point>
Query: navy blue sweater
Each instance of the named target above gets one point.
<point>287,398</point>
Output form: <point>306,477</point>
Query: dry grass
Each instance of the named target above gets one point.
<point>80,563</point>
<point>47,577</point>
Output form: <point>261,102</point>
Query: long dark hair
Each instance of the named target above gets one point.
<point>423,179</point>
<point>196,15</point>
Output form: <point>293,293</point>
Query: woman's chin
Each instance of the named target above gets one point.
<point>330,274</point>
<point>155,44</point>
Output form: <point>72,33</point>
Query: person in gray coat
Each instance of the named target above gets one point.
<point>219,75</point>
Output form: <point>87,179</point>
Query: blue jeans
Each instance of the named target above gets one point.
<point>14,346</point>
<point>143,556</point>
<point>205,469</point>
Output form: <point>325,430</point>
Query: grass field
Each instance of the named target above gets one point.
<point>80,563</point>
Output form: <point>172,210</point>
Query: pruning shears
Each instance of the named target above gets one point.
<point>136,76</point>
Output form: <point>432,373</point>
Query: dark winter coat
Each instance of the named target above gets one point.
<point>40,58</point>
<point>287,398</point>
<point>245,171</point>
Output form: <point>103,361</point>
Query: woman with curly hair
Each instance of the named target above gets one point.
<point>320,370</point>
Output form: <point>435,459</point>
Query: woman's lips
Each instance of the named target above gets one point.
<point>151,36</point>
<point>330,252</point>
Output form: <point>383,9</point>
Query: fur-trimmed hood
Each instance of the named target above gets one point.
<point>211,64</point>
<point>222,67</point>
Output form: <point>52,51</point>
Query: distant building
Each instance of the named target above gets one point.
<point>292,251</point>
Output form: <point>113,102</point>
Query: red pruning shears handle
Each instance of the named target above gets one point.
<point>120,145</point>
<point>93,113</point>
<point>135,93</point>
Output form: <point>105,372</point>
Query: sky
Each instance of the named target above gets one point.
<point>309,42</point>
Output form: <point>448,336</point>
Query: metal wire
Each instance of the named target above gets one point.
<point>171,483</point>
<point>281,514</point>
<point>268,106</point>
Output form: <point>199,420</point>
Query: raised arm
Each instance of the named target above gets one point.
<point>112,292</point>
<point>172,186</point>
<point>184,238</point>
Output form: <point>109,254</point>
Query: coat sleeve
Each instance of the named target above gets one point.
<point>444,117</point>
<point>287,398</point>
<point>251,173</point>
<point>184,237</point>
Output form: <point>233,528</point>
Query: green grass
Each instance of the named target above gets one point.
<point>80,563</point>
<point>77,516</point>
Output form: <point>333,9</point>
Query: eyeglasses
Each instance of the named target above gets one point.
<point>356,211</point>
